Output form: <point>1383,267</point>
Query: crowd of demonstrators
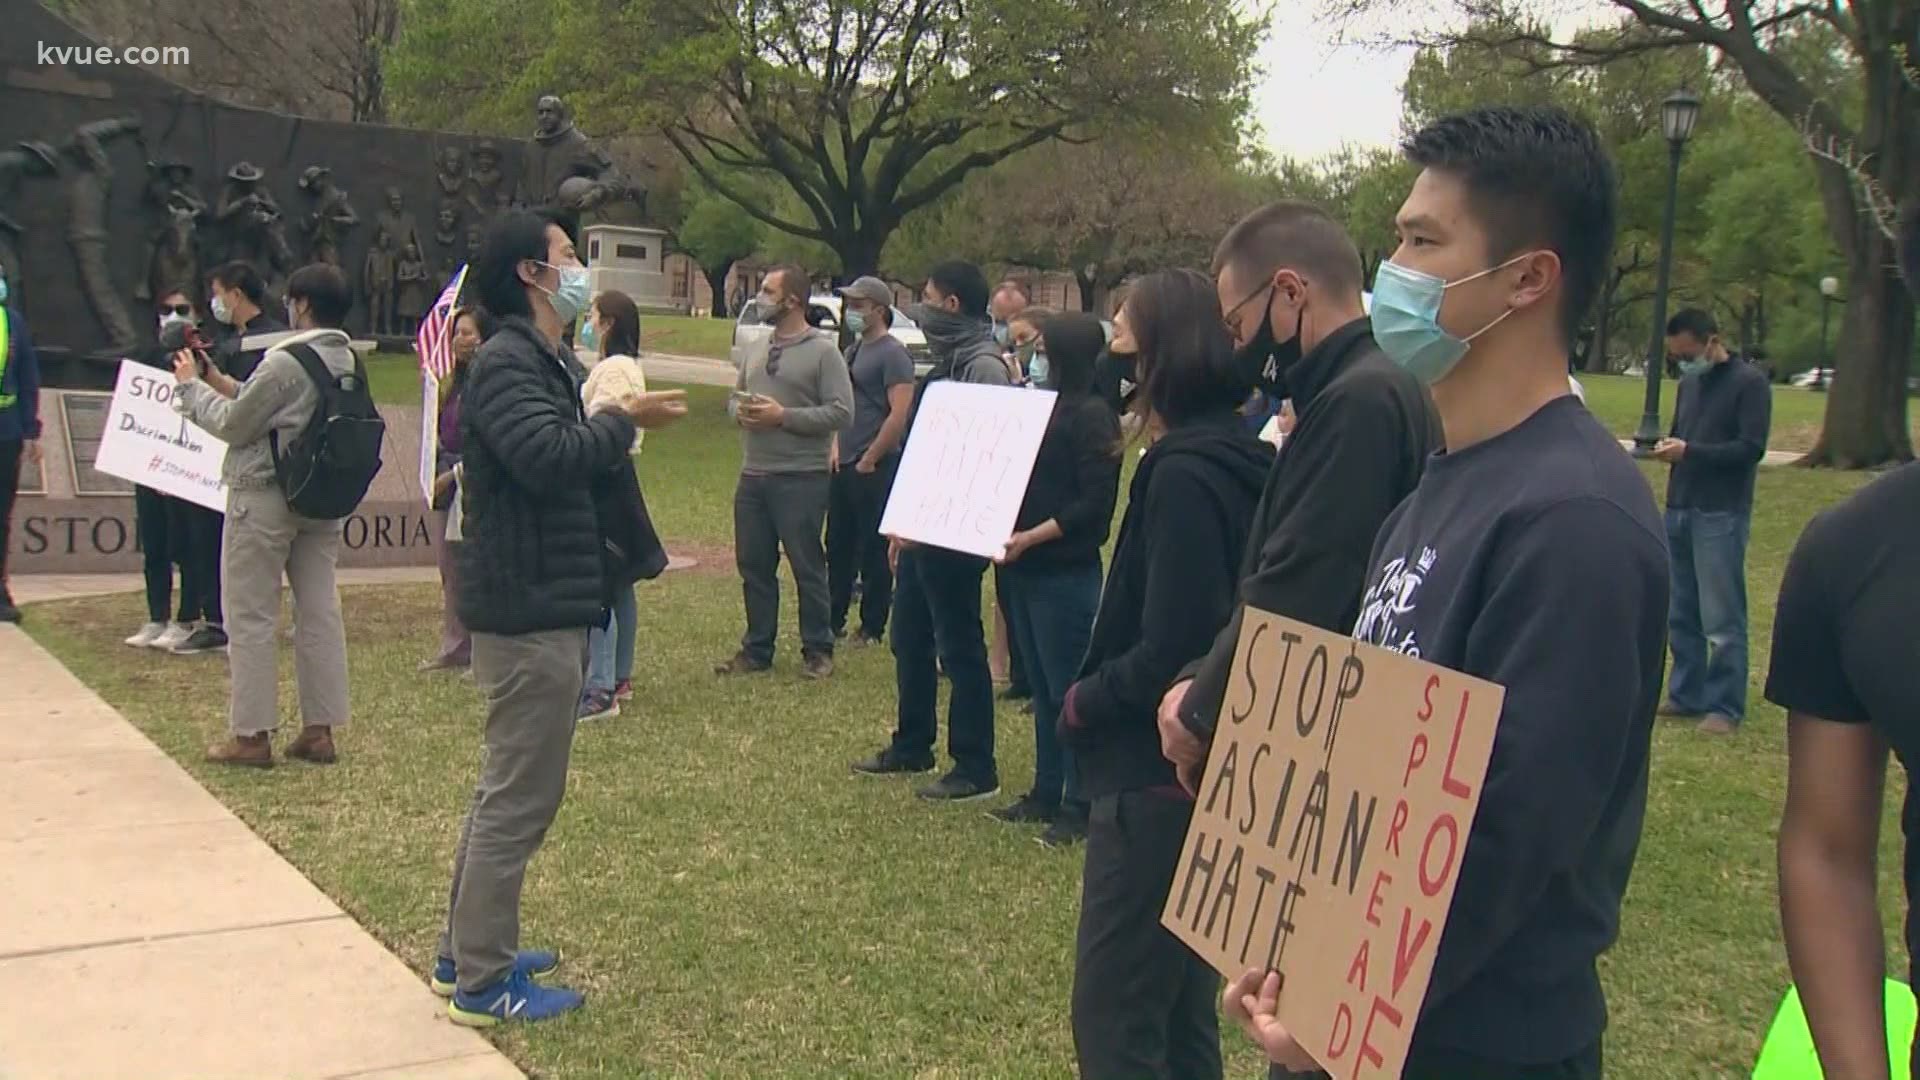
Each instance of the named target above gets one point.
<point>1050,574</point>
<point>612,328</point>
<point>266,539</point>
<point>936,606</point>
<point>868,455</point>
<point>792,398</point>
<point>1143,1003</point>
<point>1505,239</point>
<point>1721,417</point>
<point>532,581</point>
<point>470,327</point>
<point>19,426</point>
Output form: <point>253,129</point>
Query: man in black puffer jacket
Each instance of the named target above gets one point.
<point>531,584</point>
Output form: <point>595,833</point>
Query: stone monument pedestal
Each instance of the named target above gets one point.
<point>630,259</point>
<point>71,518</point>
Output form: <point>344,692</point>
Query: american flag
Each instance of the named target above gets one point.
<point>434,342</point>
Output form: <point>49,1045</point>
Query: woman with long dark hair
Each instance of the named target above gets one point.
<point>1050,575</point>
<point>612,328</point>
<point>1143,1003</point>
<point>471,326</point>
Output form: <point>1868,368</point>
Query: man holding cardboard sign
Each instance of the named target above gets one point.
<point>1504,240</point>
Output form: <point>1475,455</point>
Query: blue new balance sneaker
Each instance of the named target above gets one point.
<point>538,963</point>
<point>514,999</point>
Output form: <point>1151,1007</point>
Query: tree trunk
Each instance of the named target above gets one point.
<point>860,253</point>
<point>1086,283</point>
<point>1866,421</point>
<point>717,283</point>
<point>1598,360</point>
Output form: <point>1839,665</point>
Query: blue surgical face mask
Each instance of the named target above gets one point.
<point>219,309</point>
<point>571,297</point>
<point>1695,366</point>
<point>588,336</point>
<point>3,290</point>
<point>1039,369</point>
<point>1002,333</point>
<point>856,322</point>
<point>1406,319</point>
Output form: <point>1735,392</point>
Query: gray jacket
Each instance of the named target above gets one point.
<point>277,397</point>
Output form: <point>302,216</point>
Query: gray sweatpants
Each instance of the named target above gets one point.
<point>265,539</point>
<point>532,683</point>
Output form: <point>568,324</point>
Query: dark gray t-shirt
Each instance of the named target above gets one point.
<point>876,367</point>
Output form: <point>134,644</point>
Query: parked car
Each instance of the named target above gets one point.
<point>1811,378</point>
<point>824,313</point>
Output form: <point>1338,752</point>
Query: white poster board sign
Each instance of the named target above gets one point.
<point>429,433</point>
<point>146,442</point>
<point>965,469</point>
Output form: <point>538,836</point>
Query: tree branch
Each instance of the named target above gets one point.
<point>732,194</point>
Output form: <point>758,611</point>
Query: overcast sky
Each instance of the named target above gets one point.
<point>1319,91</point>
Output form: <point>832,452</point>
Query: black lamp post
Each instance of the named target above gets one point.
<point>1829,292</point>
<point>1677,116</point>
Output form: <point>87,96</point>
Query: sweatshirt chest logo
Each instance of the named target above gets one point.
<point>1387,610</point>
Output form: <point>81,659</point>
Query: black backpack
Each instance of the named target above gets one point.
<point>329,466</point>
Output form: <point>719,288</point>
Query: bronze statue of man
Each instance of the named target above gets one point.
<point>84,159</point>
<point>329,219</point>
<point>560,152</point>
<point>27,159</point>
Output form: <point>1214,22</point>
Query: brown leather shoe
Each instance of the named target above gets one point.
<point>1715,724</point>
<point>1669,711</point>
<point>253,751</point>
<point>315,745</point>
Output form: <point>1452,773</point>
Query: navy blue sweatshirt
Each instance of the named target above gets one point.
<point>1723,413</point>
<point>1535,560</point>
<point>21,379</point>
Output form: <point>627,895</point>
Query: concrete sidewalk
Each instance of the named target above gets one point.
<point>146,932</point>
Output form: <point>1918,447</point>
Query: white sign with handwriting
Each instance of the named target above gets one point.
<point>965,470</point>
<point>146,442</point>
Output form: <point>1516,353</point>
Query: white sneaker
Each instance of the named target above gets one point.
<point>146,635</point>
<point>175,635</point>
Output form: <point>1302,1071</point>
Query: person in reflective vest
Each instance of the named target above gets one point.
<point>19,427</point>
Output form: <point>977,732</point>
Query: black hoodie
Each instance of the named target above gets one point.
<point>1172,585</point>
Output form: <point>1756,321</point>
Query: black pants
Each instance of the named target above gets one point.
<point>936,614</point>
<point>161,545</point>
<point>201,532</point>
<point>9,488</point>
<point>855,547</point>
<point>1016,664</point>
<point>1453,1065</point>
<point>1144,1006</point>
<point>772,513</point>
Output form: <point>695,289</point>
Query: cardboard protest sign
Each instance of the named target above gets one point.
<point>1330,826</point>
<point>146,442</point>
<point>966,466</point>
<point>429,433</point>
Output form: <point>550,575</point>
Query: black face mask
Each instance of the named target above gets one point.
<point>1126,367</point>
<point>1266,362</point>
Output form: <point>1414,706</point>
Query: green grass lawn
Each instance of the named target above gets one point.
<point>737,905</point>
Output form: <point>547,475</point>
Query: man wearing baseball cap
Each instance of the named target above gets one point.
<point>869,451</point>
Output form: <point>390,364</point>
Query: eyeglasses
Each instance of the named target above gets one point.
<point>773,359</point>
<point>177,309</point>
<point>1232,319</point>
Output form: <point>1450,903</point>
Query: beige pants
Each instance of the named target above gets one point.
<point>265,539</point>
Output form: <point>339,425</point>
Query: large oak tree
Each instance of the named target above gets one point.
<point>866,111</point>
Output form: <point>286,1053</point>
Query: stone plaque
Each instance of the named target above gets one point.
<point>86,417</point>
